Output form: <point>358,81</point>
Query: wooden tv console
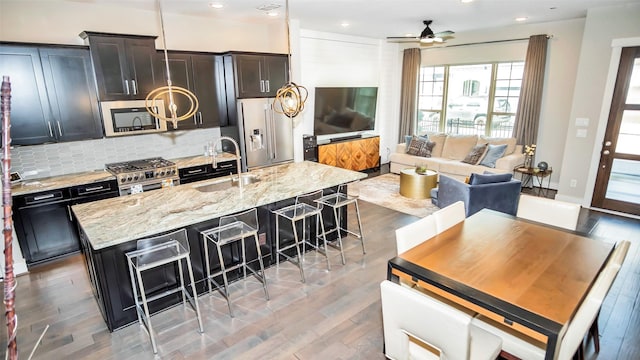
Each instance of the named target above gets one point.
<point>353,154</point>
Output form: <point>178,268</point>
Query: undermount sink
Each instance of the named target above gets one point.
<point>225,184</point>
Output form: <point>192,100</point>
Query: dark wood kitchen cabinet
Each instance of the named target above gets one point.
<point>123,64</point>
<point>257,75</point>
<point>44,225</point>
<point>202,74</point>
<point>53,94</point>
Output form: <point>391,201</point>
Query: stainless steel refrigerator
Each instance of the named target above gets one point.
<point>266,137</point>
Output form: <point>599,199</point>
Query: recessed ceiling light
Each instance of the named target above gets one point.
<point>521,18</point>
<point>466,1</point>
<point>216,5</point>
<point>272,13</point>
<point>344,24</point>
<point>268,7</point>
<point>409,35</point>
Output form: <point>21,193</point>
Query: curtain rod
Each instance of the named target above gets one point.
<point>484,42</point>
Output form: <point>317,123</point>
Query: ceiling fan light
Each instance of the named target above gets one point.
<point>427,40</point>
<point>438,39</point>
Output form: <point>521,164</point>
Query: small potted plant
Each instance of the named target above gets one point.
<point>421,168</point>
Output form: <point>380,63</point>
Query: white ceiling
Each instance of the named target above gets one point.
<point>382,18</point>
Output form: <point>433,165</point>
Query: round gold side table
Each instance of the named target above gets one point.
<point>417,186</point>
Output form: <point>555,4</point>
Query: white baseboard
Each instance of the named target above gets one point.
<point>571,199</point>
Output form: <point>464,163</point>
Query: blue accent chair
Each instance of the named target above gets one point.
<point>499,192</point>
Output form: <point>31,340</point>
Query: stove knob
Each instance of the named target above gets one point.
<point>135,177</point>
<point>162,173</point>
<point>129,178</point>
<point>123,179</point>
<point>173,172</point>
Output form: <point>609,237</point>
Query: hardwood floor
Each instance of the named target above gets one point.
<point>335,315</point>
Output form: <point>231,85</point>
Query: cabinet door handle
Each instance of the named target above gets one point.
<point>94,188</point>
<point>50,131</point>
<point>195,171</point>
<point>69,212</point>
<point>267,82</point>
<point>135,87</point>
<point>59,128</point>
<point>126,85</point>
<point>200,116</point>
<point>261,85</point>
<point>42,197</point>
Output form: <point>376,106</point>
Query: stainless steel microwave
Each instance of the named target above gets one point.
<point>130,117</point>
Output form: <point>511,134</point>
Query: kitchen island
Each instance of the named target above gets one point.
<point>109,228</point>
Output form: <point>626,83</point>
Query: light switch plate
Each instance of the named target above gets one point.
<point>581,133</point>
<point>582,122</point>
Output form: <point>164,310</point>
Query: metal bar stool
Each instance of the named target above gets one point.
<point>152,253</point>
<point>345,195</point>
<point>233,228</point>
<point>305,207</point>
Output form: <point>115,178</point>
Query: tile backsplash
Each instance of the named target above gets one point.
<point>38,161</point>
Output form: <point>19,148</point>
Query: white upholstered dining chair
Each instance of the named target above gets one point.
<point>417,326</point>
<point>415,233</point>
<point>449,216</point>
<point>523,347</point>
<point>549,211</point>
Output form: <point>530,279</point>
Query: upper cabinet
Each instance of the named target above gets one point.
<point>202,74</point>
<point>53,94</point>
<point>123,64</point>
<point>257,75</point>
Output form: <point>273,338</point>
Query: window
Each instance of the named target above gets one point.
<point>469,99</point>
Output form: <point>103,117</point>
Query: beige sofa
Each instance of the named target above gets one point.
<point>449,151</point>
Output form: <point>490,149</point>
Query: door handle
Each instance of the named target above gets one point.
<point>135,88</point>
<point>261,85</point>
<point>126,85</point>
<point>69,212</point>
<point>59,127</point>
<point>606,152</point>
<point>267,83</point>
<point>50,131</point>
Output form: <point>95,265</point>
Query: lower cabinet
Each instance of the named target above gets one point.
<point>207,171</point>
<point>44,226</point>
<point>44,223</point>
<point>357,154</point>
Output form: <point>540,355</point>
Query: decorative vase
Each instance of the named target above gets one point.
<point>527,161</point>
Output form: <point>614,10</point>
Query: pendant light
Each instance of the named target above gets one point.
<point>290,98</point>
<point>170,91</point>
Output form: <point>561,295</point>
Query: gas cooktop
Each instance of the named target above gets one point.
<point>138,165</point>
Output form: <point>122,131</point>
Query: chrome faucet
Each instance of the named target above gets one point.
<point>214,162</point>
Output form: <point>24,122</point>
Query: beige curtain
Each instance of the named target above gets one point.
<point>409,92</point>
<point>528,114</point>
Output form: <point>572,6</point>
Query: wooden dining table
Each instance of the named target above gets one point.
<point>528,276</point>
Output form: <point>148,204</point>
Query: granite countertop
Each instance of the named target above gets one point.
<point>58,182</point>
<point>114,221</point>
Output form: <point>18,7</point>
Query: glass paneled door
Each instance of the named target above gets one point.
<point>618,180</point>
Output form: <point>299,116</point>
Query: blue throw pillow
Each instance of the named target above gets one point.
<point>494,152</point>
<point>478,179</point>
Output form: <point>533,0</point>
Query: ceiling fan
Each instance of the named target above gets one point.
<point>427,36</point>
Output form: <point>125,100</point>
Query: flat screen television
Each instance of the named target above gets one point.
<point>341,110</point>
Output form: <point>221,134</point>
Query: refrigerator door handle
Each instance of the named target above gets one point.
<point>274,145</point>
